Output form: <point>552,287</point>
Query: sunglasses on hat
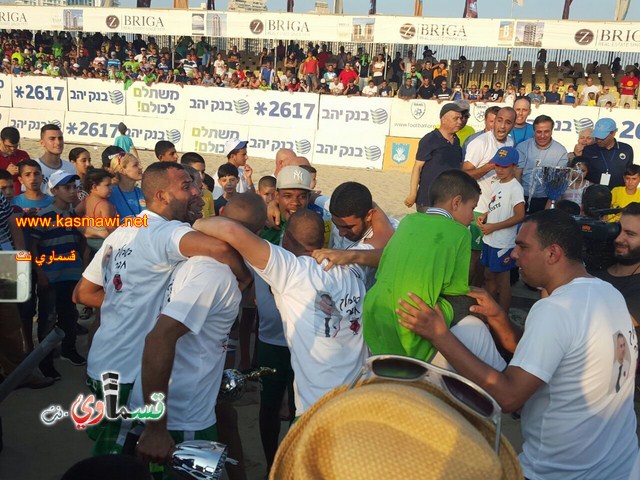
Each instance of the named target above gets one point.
<point>464,392</point>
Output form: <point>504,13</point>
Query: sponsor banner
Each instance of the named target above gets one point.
<point>340,113</point>
<point>264,142</point>
<point>93,95</point>
<point>5,90</point>
<point>44,93</point>
<point>163,100</point>
<point>439,31</point>
<point>30,18</point>
<point>609,36</point>
<point>4,117</point>
<point>206,137</point>
<point>29,122</point>
<point>102,129</point>
<point>135,20</point>
<point>569,121</point>
<point>357,149</point>
<point>253,107</point>
<point>413,118</point>
<point>400,154</point>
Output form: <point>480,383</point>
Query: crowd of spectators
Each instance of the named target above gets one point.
<point>291,68</point>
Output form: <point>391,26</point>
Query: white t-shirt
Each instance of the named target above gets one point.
<point>589,89</point>
<point>47,172</point>
<point>480,151</point>
<point>138,263</point>
<point>503,200</point>
<point>219,67</point>
<point>576,426</point>
<point>377,64</point>
<point>203,295</point>
<point>370,91</point>
<point>336,88</point>
<point>327,349</point>
<point>242,186</point>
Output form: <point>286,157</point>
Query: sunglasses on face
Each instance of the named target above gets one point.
<point>466,394</point>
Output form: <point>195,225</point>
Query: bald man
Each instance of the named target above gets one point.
<point>285,157</point>
<point>320,309</point>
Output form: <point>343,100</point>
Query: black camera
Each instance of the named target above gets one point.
<point>598,237</point>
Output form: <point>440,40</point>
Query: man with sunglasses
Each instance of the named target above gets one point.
<point>575,425</point>
<point>11,155</point>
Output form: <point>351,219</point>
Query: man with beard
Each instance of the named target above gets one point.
<point>625,273</point>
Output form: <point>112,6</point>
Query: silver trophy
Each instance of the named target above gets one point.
<point>199,459</point>
<point>234,382</point>
<point>556,180</point>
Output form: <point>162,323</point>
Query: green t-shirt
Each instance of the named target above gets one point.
<point>274,235</point>
<point>428,255</point>
<point>134,65</point>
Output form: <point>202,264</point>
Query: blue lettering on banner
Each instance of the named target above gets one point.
<point>115,96</point>
<point>378,116</point>
<point>39,92</point>
<point>93,129</point>
<point>285,109</point>
<point>1,83</point>
<point>241,106</point>
<point>31,125</point>
<point>371,153</point>
<point>299,146</point>
<point>628,128</point>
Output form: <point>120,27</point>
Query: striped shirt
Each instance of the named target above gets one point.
<point>5,214</point>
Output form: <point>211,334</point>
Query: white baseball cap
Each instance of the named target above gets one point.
<point>234,144</point>
<point>60,177</point>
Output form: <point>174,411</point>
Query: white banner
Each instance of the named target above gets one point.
<point>569,121</point>
<point>206,137</point>
<point>102,129</point>
<point>132,20</point>
<point>43,93</point>
<point>414,118</point>
<point>157,101</point>
<point>93,95</point>
<point>264,142</point>
<point>608,36</point>
<point>338,113</point>
<point>349,149</point>
<point>29,122</point>
<point>5,90</point>
<point>5,113</point>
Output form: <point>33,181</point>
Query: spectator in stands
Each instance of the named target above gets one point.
<point>628,88</point>
<point>348,74</point>
<point>608,158</point>
<point>456,93</point>
<point>552,96</point>
<point>407,91</point>
<point>370,90</point>
<point>473,94</point>
<point>294,85</point>
<point>397,65</point>
<point>443,93</point>
<point>378,70</point>
<point>536,97</point>
<point>605,97</point>
<point>570,97</point>
<point>311,69</point>
<point>587,89</point>
<point>440,73</point>
<point>510,96</point>
<point>521,129</point>
<point>352,89</point>
<point>485,96</point>
<point>336,87</point>
<point>385,90</point>
<point>425,91</point>
<point>330,74</point>
<point>414,76</point>
<point>496,94</point>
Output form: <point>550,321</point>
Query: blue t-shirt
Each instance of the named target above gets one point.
<point>27,204</point>
<point>519,135</point>
<point>124,142</point>
<point>128,204</point>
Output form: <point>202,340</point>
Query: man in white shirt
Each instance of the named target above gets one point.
<point>52,140</point>
<point>200,306</point>
<point>588,88</point>
<point>575,422</point>
<point>132,258</point>
<point>370,90</point>
<point>336,87</point>
<point>540,151</point>
<point>321,310</point>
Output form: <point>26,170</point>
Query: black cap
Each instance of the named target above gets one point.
<point>108,154</point>
<point>453,107</point>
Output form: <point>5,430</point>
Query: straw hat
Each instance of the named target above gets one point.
<point>392,430</point>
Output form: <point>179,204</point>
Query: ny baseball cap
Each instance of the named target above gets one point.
<point>60,177</point>
<point>603,128</point>
<point>293,177</point>
<point>234,144</point>
<point>506,156</point>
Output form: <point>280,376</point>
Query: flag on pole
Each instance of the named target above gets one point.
<point>470,9</point>
<point>565,10</point>
<point>180,3</point>
<point>289,5</point>
<point>211,4</point>
<point>622,7</point>
<point>372,7</point>
<point>143,3</point>
<point>520,3</point>
<point>337,7</point>
<point>417,8</point>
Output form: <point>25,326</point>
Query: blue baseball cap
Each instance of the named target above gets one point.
<point>506,156</point>
<point>603,128</point>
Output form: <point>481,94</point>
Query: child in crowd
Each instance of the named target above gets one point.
<point>195,161</point>
<point>267,188</point>
<point>63,248</point>
<point>166,151</point>
<point>30,176</point>
<point>228,179</point>
<point>623,196</point>
<point>124,141</point>
<point>6,186</point>
<point>407,266</point>
<point>81,159</point>
<point>98,183</point>
<point>575,190</point>
<point>500,226</point>
<point>591,102</point>
<point>126,196</point>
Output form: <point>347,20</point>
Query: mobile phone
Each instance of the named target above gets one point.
<point>15,276</point>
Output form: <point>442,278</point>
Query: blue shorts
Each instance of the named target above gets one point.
<point>497,259</point>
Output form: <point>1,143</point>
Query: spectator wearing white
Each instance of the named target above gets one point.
<point>336,87</point>
<point>605,97</point>
<point>236,152</point>
<point>540,151</point>
<point>588,88</point>
<point>370,90</point>
<point>52,141</point>
<point>377,70</point>
<point>143,53</point>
